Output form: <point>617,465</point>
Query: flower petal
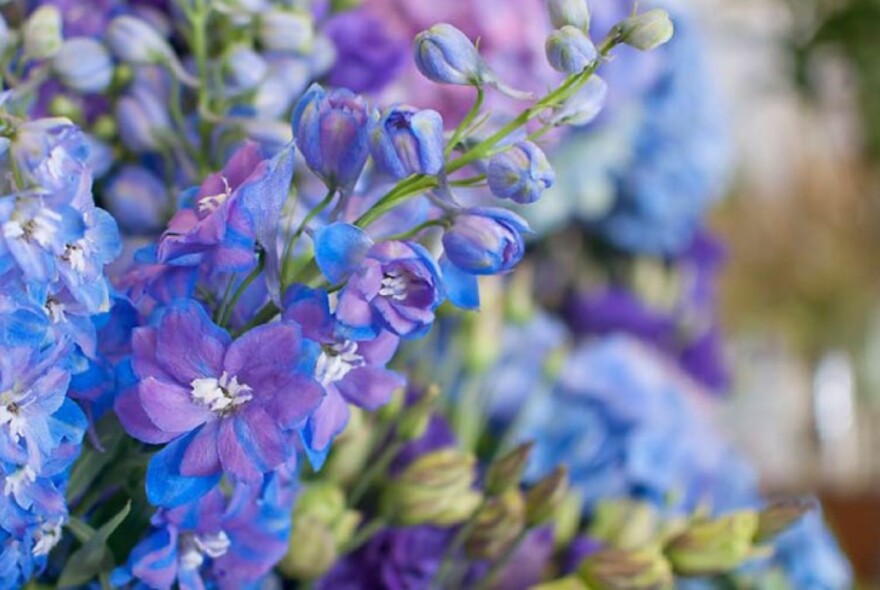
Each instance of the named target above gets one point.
<point>188,344</point>
<point>339,250</point>
<point>171,407</point>
<point>264,358</point>
<point>200,458</point>
<point>234,458</point>
<point>370,387</point>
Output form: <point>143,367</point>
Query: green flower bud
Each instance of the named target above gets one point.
<point>42,32</point>
<point>546,496</point>
<point>714,546</point>
<point>499,523</point>
<point>415,419</point>
<point>481,336</point>
<point>567,583</point>
<point>644,569</point>
<point>105,128</point>
<point>520,304</point>
<point>779,516</point>
<point>646,31</point>
<point>64,106</point>
<point>506,472</point>
<point>286,31</point>
<point>351,451</point>
<point>625,524</point>
<point>435,489</point>
<point>567,520</point>
<point>311,551</point>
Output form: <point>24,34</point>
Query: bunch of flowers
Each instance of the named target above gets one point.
<point>282,240</point>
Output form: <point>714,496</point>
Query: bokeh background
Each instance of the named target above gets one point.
<point>800,296</point>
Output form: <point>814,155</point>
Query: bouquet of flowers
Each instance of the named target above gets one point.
<point>216,263</point>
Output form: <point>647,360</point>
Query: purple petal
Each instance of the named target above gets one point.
<point>135,420</point>
<point>259,434</point>
<point>189,345</point>
<point>328,420</point>
<point>379,350</point>
<point>295,400</point>
<point>266,357</point>
<point>370,387</point>
<point>200,457</point>
<point>233,456</point>
<point>310,308</point>
<point>171,407</point>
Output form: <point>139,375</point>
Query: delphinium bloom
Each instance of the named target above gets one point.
<point>227,406</point>
<point>54,245</point>
<point>350,371</point>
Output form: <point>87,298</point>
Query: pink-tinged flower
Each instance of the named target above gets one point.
<point>228,407</point>
<point>233,211</point>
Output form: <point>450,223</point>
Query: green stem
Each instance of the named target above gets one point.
<point>264,316</point>
<point>224,318</point>
<point>364,534</point>
<point>492,575</point>
<point>377,469</point>
<point>466,122</point>
<point>407,235</point>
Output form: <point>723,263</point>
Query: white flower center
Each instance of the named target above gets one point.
<point>17,480</point>
<point>394,285</point>
<point>46,537</point>
<point>335,362</point>
<point>75,254</point>
<point>56,311</point>
<point>210,203</point>
<point>11,416</point>
<point>194,548</point>
<point>221,395</point>
<point>41,228</point>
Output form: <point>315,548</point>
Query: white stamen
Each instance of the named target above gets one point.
<point>394,286</point>
<point>76,253</point>
<point>335,362</point>
<point>56,311</point>
<point>10,415</point>
<point>190,556</point>
<point>46,538</point>
<point>17,480</point>
<point>213,545</point>
<point>221,395</point>
<point>210,203</point>
<point>45,226</point>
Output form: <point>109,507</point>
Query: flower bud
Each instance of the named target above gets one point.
<point>779,516</point>
<point>624,524</point>
<point>521,173</point>
<point>83,64</point>
<point>286,31</point>
<point>445,55</point>
<point>486,241</point>
<point>714,546</point>
<point>143,120</point>
<point>645,569</point>
<point>63,105</point>
<point>42,32</point>
<point>406,141</point>
<point>331,131</point>
<point>135,41</point>
<point>321,524</point>
<point>416,418</point>
<point>573,13</point>
<point>584,106</point>
<point>351,451</point>
<point>566,583</point>
<point>646,31</point>
<point>546,496</point>
<point>567,520</point>
<point>570,51</point>
<point>245,67</point>
<point>138,200</point>
<point>499,523</point>
<point>435,489</point>
<point>506,472</point>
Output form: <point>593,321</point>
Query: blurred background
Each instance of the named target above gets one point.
<point>800,293</point>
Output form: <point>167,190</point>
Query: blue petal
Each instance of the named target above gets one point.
<point>462,288</point>
<point>316,458</point>
<point>339,250</point>
<point>166,486</point>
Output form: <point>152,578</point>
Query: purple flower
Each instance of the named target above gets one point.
<point>233,211</point>
<point>368,56</point>
<point>396,559</point>
<point>350,371</point>
<point>214,542</point>
<point>230,407</point>
<point>331,130</point>
<point>138,200</point>
<point>406,141</point>
<point>486,241</point>
<point>393,286</point>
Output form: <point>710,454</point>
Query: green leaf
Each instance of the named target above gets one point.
<point>92,461</point>
<point>93,558</point>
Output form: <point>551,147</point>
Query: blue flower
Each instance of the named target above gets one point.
<point>521,173</point>
<point>406,141</point>
<point>393,286</point>
<point>485,241</point>
<point>570,51</point>
<point>445,55</point>
<point>811,558</point>
<point>331,131</point>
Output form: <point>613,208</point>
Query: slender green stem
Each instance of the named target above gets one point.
<point>264,316</point>
<point>286,264</point>
<point>374,471</point>
<point>466,122</point>
<point>224,318</point>
<point>364,534</point>
<point>472,181</point>
<point>225,298</point>
<point>408,235</point>
<point>492,575</point>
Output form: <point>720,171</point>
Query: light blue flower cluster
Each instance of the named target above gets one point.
<point>54,245</point>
